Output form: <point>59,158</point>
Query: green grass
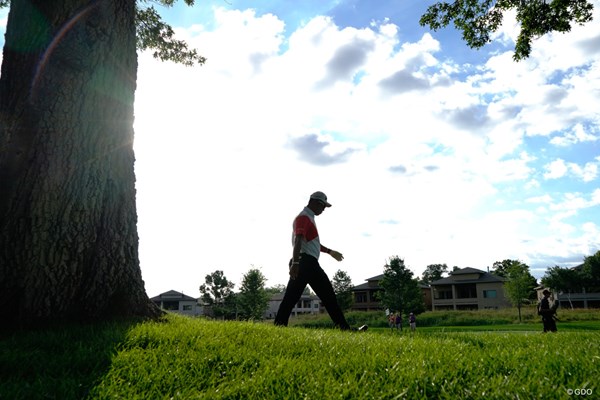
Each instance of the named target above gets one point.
<point>185,358</point>
<point>482,318</point>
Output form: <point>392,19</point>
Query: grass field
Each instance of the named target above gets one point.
<point>183,358</point>
<point>437,319</point>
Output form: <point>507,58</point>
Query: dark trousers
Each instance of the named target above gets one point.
<point>311,273</point>
<point>549,323</point>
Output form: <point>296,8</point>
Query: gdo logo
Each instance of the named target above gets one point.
<point>580,392</point>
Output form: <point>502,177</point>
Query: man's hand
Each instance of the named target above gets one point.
<point>336,254</point>
<point>294,271</point>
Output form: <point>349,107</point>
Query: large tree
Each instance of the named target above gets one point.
<point>342,286</point>
<point>591,272</point>
<point>217,293</point>
<point>478,20</point>
<point>401,291</point>
<point>433,272</point>
<point>501,268</point>
<point>69,243</point>
<point>520,285</point>
<point>253,298</point>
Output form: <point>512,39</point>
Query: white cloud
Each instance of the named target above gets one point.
<point>556,169</point>
<point>587,173</point>
<point>559,169</point>
<point>415,160</point>
<point>577,135</point>
<point>545,199</point>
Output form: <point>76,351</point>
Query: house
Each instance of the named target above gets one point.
<point>469,289</point>
<point>365,295</point>
<point>308,304</point>
<point>178,302</point>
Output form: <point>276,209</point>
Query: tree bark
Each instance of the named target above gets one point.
<point>68,221</point>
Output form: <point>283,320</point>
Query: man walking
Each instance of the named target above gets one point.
<point>305,268</point>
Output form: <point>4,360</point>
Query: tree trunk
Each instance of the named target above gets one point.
<point>69,244</point>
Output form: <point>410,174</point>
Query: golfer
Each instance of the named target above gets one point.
<point>305,268</point>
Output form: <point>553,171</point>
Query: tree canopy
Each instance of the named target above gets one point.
<point>253,298</point>
<point>342,286</point>
<point>591,271</point>
<point>153,33</point>
<point>571,280</point>
<point>400,290</point>
<point>433,272</point>
<point>478,20</point>
<point>217,292</point>
<point>520,285</point>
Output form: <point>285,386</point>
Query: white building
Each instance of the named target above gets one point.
<point>178,302</point>
<point>308,304</point>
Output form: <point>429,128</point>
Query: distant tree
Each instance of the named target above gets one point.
<point>401,291</point>
<point>591,272</point>
<point>434,272</point>
<point>217,292</point>
<point>342,286</point>
<point>479,19</point>
<point>279,288</point>
<point>500,268</point>
<point>520,285</point>
<point>307,291</point>
<point>253,298</point>
<point>565,280</point>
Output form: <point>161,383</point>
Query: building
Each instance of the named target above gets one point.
<point>469,289</point>
<point>178,302</point>
<point>308,304</point>
<point>365,295</point>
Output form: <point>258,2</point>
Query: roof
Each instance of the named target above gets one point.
<point>173,295</point>
<point>364,286</point>
<point>375,278</point>
<point>484,277</point>
<point>378,278</point>
<point>468,270</point>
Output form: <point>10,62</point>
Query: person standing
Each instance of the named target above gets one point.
<point>412,320</point>
<point>305,268</point>
<point>547,311</point>
<point>399,321</point>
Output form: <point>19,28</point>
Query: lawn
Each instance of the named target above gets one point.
<point>184,358</point>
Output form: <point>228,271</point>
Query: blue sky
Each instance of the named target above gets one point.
<point>427,149</point>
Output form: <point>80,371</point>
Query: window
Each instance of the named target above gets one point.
<point>170,305</point>
<point>489,294</point>
<point>467,291</point>
<point>443,293</point>
<point>361,297</point>
<point>187,307</point>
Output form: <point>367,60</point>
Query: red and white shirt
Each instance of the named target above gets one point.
<point>304,225</point>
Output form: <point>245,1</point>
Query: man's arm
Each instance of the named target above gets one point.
<point>335,254</point>
<point>294,267</point>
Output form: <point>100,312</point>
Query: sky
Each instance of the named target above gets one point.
<point>427,149</point>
